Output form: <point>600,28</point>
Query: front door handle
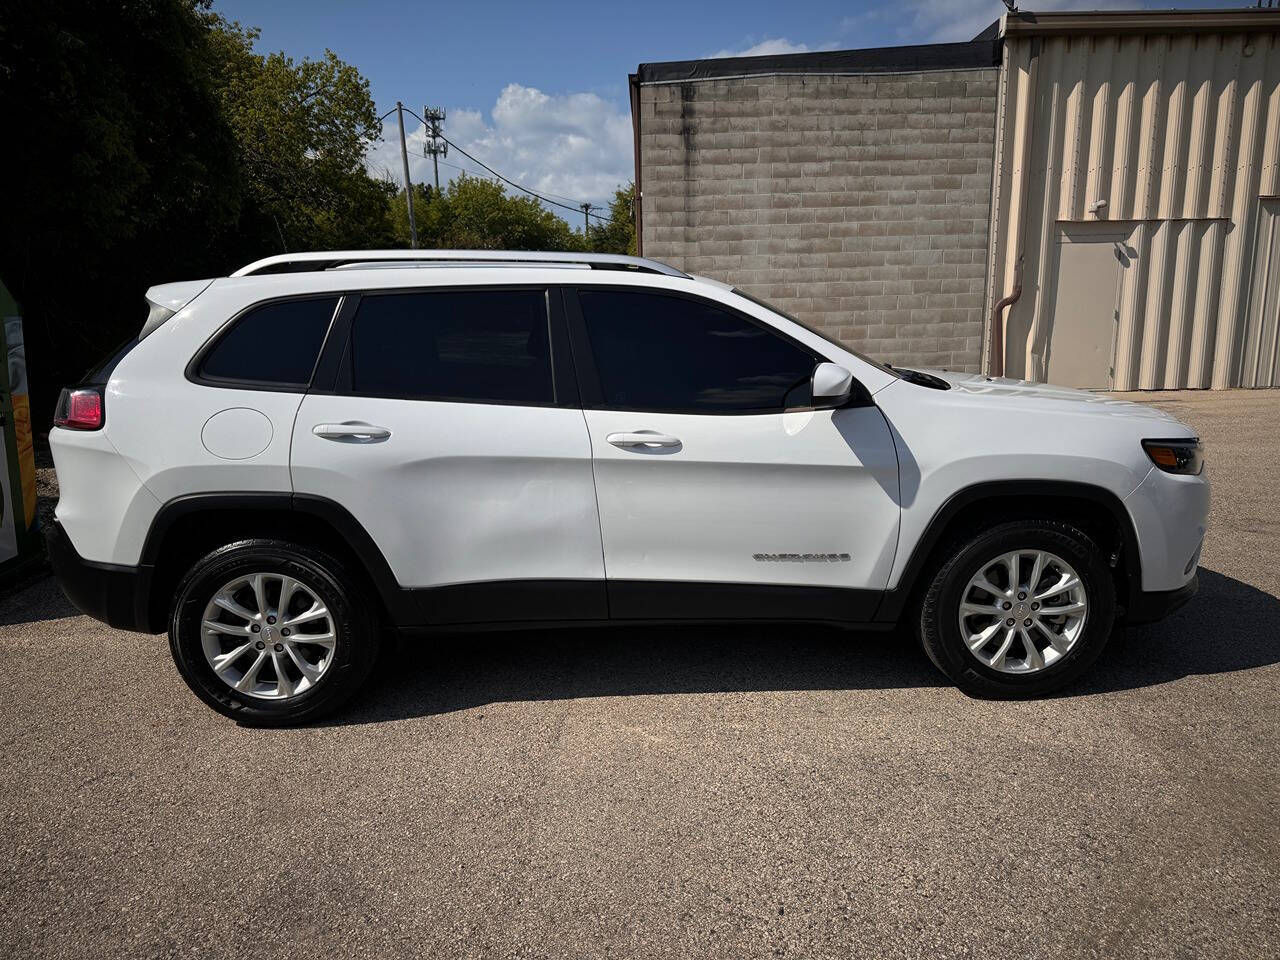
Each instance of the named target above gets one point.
<point>353,431</point>
<point>643,438</point>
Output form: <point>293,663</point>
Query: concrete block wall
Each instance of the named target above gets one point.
<point>860,204</point>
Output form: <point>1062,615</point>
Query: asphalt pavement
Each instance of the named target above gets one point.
<point>710,792</point>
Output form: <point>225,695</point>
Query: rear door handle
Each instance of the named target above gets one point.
<point>353,431</point>
<point>642,438</point>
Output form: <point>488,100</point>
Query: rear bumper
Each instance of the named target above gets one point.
<point>116,595</point>
<point>1147,606</point>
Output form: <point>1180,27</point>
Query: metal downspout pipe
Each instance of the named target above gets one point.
<point>1028,126</point>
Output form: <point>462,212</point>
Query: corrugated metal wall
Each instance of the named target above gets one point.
<point>1180,136</point>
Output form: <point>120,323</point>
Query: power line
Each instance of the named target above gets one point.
<point>524,189</point>
<point>369,132</point>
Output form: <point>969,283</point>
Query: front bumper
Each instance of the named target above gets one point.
<point>1147,606</point>
<point>1169,513</point>
<point>116,595</point>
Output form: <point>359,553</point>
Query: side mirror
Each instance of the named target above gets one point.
<point>832,386</point>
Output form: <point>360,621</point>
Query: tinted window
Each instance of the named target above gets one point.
<point>656,352</point>
<point>277,343</point>
<point>487,345</point>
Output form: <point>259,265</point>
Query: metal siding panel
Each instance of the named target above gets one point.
<point>1226,89</point>
<point>1173,168</point>
<point>1149,145</point>
<point>1256,72</point>
<point>1181,297</point>
<point>1258,364</point>
<point>1205,314</point>
<point>1199,164</point>
<point>1100,146</point>
<point>1180,134</point>
<point>1124,159</point>
<point>1132,301</point>
<point>1076,68</point>
<point>1157,307</point>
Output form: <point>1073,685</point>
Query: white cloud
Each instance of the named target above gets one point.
<point>765,48</point>
<point>948,21</point>
<point>576,146</point>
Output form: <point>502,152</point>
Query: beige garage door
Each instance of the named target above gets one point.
<point>1086,295</point>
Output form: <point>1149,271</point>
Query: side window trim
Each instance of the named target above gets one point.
<point>327,375</point>
<point>194,374</point>
<point>334,373</point>
<point>589,376</point>
<point>584,361</point>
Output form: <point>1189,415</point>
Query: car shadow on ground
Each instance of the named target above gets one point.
<point>32,596</point>
<point>1228,626</point>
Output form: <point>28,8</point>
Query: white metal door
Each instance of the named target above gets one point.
<point>456,492</point>
<point>445,436</point>
<point>1082,337</point>
<point>714,483</point>
<point>804,498</point>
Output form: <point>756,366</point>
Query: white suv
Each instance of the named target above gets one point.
<point>290,463</point>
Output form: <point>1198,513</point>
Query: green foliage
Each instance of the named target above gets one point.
<point>476,214</point>
<point>299,131</point>
<point>147,141</point>
<point>118,165</point>
<point>618,234</point>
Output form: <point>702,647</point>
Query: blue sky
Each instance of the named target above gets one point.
<point>539,90</point>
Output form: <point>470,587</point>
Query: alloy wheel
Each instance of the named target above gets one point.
<point>268,636</point>
<point>1023,611</point>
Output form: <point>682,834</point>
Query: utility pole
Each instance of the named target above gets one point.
<point>436,146</point>
<point>408,187</point>
<point>586,217</point>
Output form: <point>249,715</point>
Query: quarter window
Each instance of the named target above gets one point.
<point>274,345</point>
<point>664,353</point>
<point>475,345</point>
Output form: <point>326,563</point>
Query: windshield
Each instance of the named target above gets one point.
<point>818,333</point>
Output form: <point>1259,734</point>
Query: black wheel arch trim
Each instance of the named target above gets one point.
<point>894,601</point>
<point>398,602</point>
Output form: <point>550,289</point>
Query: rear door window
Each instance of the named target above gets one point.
<point>479,346</point>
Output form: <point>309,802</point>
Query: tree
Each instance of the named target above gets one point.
<point>150,142</point>
<point>120,170</point>
<point>618,233</point>
<point>300,129</point>
<point>477,214</point>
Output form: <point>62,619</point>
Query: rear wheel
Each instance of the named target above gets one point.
<point>272,633</point>
<point>1018,610</point>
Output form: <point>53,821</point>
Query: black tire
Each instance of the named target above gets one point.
<point>355,623</point>
<point>939,628</point>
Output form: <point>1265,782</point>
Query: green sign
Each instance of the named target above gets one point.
<point>18,472</point>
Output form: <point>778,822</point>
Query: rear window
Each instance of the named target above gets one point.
<point>276,344</point>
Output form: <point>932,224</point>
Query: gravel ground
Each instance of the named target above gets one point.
<point>669,793</point>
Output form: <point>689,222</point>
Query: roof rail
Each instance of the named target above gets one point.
<point>446,265</point>
<point>327,260</point>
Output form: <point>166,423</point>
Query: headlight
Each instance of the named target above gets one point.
<point>1176,456</point>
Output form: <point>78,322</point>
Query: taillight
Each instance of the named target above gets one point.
<point>80,408</point>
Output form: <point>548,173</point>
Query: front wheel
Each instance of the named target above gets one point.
<point>1018,610</point>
